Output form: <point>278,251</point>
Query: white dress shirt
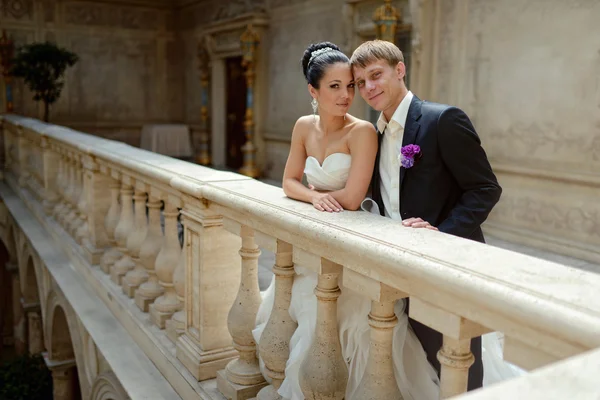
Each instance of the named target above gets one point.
<point>389,161</point>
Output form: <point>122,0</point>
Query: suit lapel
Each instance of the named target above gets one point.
<point>376,184</point>
<point>411,130</point>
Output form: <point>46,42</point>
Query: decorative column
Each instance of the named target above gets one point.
<point>71,218</point>
<point>204,67</point>
<point>166,305</point>
<point>212,276</point>
<point>111,220</point>
<point>61,183</point>
<point>23,156</point>
<point>98,201</point>
<point>136,274</point>
<point>63,377</point>
<point>69,187</point>
<point>455,355</point>
<point>7,49</point>
<point>242,378</point>
<point>176,325</point>
<point>275,340</point>
<point>81,234</point>
<point>379,381</point>
<point>249,40</point>
<point>386,18</point>
<point>125,226</point>
<point>323,372</point>
<point>51,175</point>
<point>151,246</point>
<point>134,240</point>
<point>80,206</point>
<point>35,331</point>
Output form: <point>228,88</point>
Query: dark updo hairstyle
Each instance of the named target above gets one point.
<point>315,69</point>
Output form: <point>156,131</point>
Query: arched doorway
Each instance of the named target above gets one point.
<point>61,358</point>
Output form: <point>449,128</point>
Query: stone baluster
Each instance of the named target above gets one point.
<point>243,374</point>
<point>166,305</point>
<point>51,171</point>
<point>66,209</point>
<point>151,246</point>
<point>23,157</point>
<point>80,211</point>
<point>323,372</point>
<point>379,381</point>
<point>125,226</point>
<point>79,201</point>
<point>111,220</point>
<point>134,240</point>
<point>72,217</point>
<point>136,276</point>
<point>92,234</point>
<point>275,340</point>
<point>455,356</point>
<point>176,325</point>
<point>81,231</point>
<point>61,183</point>
<point>455,359</point>
<point>70,191</point>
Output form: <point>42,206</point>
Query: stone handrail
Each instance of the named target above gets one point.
<point>547,312</point>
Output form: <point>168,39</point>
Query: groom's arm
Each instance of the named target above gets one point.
<point>461,152</point>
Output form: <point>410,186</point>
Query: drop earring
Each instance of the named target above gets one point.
<point>315,105</point>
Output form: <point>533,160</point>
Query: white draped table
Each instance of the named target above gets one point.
<point>169,139</point>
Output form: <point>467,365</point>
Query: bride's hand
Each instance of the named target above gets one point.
<point>324,201</point>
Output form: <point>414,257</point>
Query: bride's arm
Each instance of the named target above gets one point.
<point>294,170</point>
<point>363,149</point>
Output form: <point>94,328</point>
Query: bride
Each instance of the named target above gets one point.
<point>337,153</point>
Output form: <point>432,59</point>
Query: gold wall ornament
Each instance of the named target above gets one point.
<point>204,67</point>
<point>386,19</point>
<point>249,41</point>
<point>7,50</point>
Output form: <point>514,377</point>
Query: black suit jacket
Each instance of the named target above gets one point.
<point>452,185</point>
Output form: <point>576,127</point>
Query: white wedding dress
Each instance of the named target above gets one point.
<point>417,379</point>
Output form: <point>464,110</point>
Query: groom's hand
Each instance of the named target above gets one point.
<point>418,223</point>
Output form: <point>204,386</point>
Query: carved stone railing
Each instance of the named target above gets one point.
<point>103,202</point>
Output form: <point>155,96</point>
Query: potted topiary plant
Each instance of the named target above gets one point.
<point>42,66</point>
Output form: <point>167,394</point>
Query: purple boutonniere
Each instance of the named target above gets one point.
<point>408,155</point>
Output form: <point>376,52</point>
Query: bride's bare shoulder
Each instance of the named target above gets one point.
<point>302,128</point>
<point>305,121</point>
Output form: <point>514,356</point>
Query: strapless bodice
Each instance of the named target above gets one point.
<point>331,175</point>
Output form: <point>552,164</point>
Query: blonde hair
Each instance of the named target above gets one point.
<point>375,50</point>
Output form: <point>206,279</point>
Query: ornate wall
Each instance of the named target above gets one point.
<point>129,67</point>
<point>533,92</point>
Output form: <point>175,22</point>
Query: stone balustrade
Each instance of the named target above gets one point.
<point>105,202</point>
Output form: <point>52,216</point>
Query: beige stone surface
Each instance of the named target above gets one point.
<point>570,379</point>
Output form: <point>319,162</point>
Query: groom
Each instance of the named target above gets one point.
<point>445,184</point>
